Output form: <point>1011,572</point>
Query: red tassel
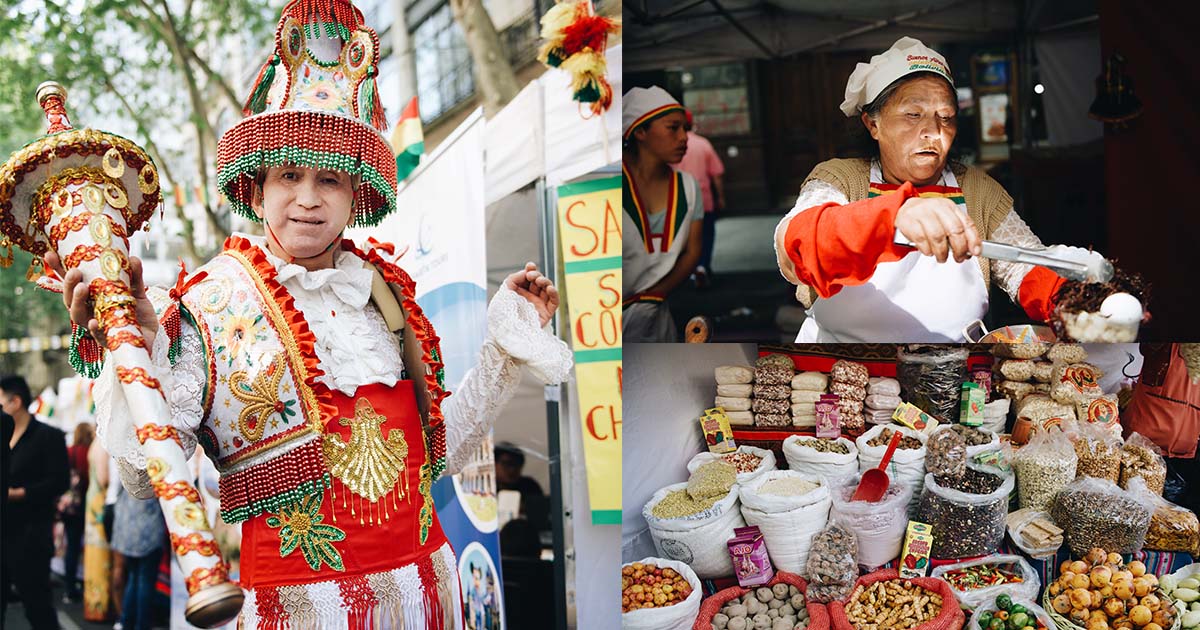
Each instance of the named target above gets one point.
<point>589,31</point>
<point>378,119</point>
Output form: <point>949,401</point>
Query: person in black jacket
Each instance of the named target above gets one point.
<point>38,474</point>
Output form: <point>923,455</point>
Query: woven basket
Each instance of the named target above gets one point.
<point>818,617</point>
<point>1064,623</point>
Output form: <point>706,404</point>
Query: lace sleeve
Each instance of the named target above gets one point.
<point>514,337</point>
<point>814,193</point>
<point>1013,231</point>
<point>182,384</point>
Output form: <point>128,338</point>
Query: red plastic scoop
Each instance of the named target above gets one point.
<point>874,482</point>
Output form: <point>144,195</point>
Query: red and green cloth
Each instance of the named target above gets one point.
<point>408,140</point>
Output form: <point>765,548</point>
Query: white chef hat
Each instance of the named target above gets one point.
<point>905,57</point>
<point>643,104</point>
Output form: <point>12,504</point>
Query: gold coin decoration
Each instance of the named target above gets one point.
<point>114,164</point>
<point>214,296</point>
<point>191,515</point>
<point>157,468</point>
<point>93,197</point>
<point>110,264</point>
<point>115,196</point>
<point>61,202</point>
<point>148,179</point>
<point>101,229</point>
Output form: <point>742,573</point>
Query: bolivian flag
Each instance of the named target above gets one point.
<point>408,140</point>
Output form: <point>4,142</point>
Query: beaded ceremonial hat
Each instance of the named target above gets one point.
<point>315,104</point>
<point>120,173</point>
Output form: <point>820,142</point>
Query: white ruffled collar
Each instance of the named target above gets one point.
<point>348,279</point>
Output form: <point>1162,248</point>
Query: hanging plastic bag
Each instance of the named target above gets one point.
<point>931,377</point>
<point>832,567</point>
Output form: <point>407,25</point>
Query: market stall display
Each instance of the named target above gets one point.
<point>1076,482</point>
<point>659,594</point>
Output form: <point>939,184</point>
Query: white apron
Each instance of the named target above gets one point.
<point>913,299</point>
<point>649,322</point>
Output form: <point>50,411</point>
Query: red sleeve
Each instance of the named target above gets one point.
<point>1037,293</point>
<point>833,245</point>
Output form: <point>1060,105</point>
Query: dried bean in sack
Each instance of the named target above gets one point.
<point>939,596</point>
<point>832,567</point>
<point>821,457</point>
<point>931,377</point>
<point>741,458</point>
<point>973,507</point>
<point>1097,513</point>
<point>908,463</point>
<point>879,525</point>
<point>677,616</point>
<point>790,509</point>
<point>697,539</point>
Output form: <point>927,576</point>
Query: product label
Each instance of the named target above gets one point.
<point>971,409</point>
<point>918,542</point>
<point>717,434</point>
<point>911,416</point>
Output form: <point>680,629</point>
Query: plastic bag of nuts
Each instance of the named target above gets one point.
<point>946,455</point>
<point>1172,528</point>
<point>832,567</point>
<point>1097,513</point>
<point>1098,452</point>
<point>1142,458</point>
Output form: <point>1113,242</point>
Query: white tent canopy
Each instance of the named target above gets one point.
<point>543,132</point>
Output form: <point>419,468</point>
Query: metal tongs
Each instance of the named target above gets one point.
<point>1092,271</point>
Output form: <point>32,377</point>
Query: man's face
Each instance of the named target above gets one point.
<point>9,403</point>
<point>507,469</point>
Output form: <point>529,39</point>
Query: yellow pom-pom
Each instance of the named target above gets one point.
<point>556,19</point>
<point>583,66</point>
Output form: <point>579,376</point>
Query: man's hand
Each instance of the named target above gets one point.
<point>537,289</point>
<point>79,303</point>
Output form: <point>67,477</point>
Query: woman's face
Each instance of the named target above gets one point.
<point>915,130</point>
<point>665,137</point>
<point>305,208</point>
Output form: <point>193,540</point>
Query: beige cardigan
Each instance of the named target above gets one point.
<point>987,201</point>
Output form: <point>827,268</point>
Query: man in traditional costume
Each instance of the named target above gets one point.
<point>303,366</point>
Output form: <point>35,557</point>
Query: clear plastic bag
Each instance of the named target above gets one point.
<point>980,596</point>
<point>1097,513</point>
<point>967,515</point>
<point>1142,458</point>
<point>931,377</point>
<point>1044,466</point>
<point>1172,528</point>
<point>1023,518</point>
<point>1097,451</point>
<point>832,567</point>
<point>946,454</point>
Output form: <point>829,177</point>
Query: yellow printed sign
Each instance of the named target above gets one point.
<point>590,228</point>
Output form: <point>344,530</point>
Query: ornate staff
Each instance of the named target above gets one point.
<point>82,192</point>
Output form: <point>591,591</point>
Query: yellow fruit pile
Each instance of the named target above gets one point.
<point>1100,593</point>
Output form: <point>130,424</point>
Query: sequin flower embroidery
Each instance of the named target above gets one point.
<point>300,527</point>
